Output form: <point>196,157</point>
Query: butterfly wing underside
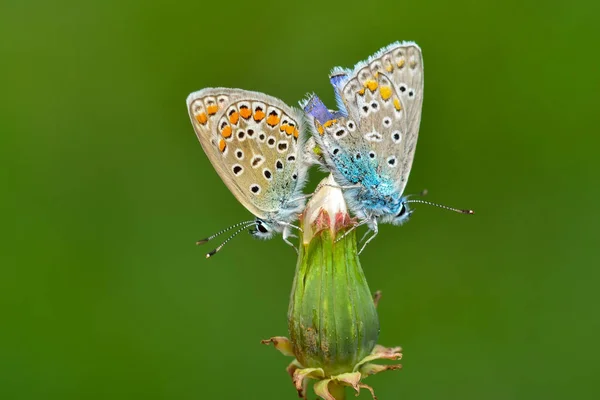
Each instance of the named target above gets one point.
<point>251,139</point>
<point>380,103</point>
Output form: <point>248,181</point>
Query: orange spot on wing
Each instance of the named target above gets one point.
<point>389,68</point>
<point>361,92</point>
<point>289,129</point>
<point>400,63</point>
<point>282,127</point>
<point>386,92</point>
<point>259,115</point>
<point>212,109</point>
<point>272,120</point>
<point>234,117</point>
<point>397,104</point>
<point>245,112</point>
<point>320,129</point>
<point>201,118</point>
<point>371,84</point>
<point>222,145</point>
<point>226,132</point>
<point>296,133</point>
<point>329,123</point>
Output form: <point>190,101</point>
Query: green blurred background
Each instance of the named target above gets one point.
<point>103,294</point>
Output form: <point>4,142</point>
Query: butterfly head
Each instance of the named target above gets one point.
<point>402,215</point>
<point>262,230</point>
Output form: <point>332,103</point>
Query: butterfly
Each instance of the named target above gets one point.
<point>369,143</point>
<point>254,143</point>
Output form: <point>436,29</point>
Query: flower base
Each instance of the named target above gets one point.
<point>332,387</point>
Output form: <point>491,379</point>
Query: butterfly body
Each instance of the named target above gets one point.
<point>254,143</point>
<point>369,142</point>
<point>376,193</point>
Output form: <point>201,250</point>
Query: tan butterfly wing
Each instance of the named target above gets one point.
<point>251,139</point>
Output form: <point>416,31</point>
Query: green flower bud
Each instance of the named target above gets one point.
<point>332,319</point>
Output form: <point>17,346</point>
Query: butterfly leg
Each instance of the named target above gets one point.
<point>375,231</point>
<point>303,197</point>
<point>288,225</point>
<point>357,186</point>
<point>364,236</point>
<point>287,234</point>
<point>360,223</point>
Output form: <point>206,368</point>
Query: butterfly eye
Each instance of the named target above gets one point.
<point>402,211</point>
<point>262,228</point>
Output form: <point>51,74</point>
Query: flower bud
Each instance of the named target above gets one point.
<point>332,319</point>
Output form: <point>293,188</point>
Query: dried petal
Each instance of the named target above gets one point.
<point>282,344</point>
<point>381,353</point>
<point>322,389</point>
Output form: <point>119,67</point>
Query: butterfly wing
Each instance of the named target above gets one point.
<point>379,114</point>
<point>252,141</point>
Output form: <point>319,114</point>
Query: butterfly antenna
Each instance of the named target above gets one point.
<point>458,210</point>
<point>224,230</point>
<point>212,253</point>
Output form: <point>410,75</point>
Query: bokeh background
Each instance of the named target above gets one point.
<point>103,294</point>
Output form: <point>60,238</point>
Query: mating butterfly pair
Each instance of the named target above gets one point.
<point>256,142</point>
